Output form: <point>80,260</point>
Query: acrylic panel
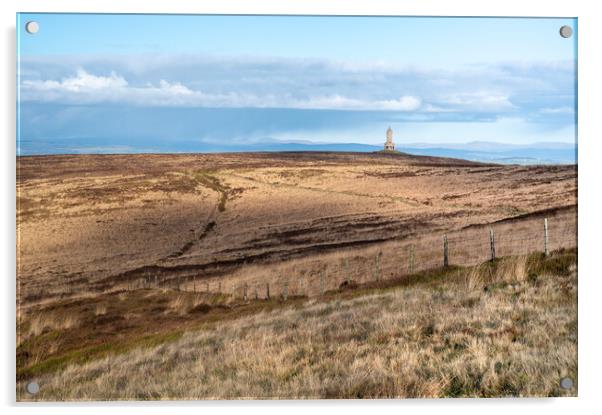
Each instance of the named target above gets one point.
<point>295,207</point>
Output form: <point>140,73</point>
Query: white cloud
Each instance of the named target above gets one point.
<point>557,110</point>
<point>81,82</point>
<point>177,89</point>
<point>328,102</point>
<point>480,101</point>
<point>86,88</point>
<point>338,102</point>
<point>405,103</point>
<point>430,108</point>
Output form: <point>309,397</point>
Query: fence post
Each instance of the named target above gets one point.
<point>492,243</point>
<point>377,267</point>
<point>285,291</point>
<point>219,287</point>
<point>256,293</point>
<point>411,264</point>
<point>244,293</point>
<point>545,237</point>
<point>347,276</point>
<point>445,252</point>
<point>322,283</point>
<point>267,290</point>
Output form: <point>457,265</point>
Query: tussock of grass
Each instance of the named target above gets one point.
<point>508,329</point>
<point>184,303</point>
<point>45,322</point>
<point>100,310</point>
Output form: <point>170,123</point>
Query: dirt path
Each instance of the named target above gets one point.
<point>212,183</point>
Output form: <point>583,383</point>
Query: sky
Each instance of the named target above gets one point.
<point>130,83</point>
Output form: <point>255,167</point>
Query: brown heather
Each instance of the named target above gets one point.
<point>502,328</point>
<point>132,272</point>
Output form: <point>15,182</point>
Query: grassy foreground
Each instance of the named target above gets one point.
<point>507,328</point>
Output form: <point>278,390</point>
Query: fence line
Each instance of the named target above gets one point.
<point>317,276</point>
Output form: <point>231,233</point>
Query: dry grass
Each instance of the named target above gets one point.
<point>42,323</point>
<point>507,328</point>
<point>505,270</point>
<point>184,303</point>
<point>100,310</point>
<point>83,221</point>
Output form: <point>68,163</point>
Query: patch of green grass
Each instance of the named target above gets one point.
<point>468,385</point>
<point>557,263</point>
<point>95,352</point>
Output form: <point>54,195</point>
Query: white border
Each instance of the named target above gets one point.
<point>590,289</point>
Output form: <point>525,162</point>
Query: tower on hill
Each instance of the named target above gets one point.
<point>389,144</point>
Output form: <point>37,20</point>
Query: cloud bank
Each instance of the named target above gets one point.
<point>530,91</point>
<point>192,102</point>
<point>87,88</point>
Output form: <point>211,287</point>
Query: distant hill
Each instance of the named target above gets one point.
<point>538,153</point>
<point>556,153</point>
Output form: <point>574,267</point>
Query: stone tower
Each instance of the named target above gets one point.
<point>389,145</point>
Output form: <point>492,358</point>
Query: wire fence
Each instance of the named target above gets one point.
<point>330,271</point>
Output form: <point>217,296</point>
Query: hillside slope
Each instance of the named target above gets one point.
<point>503,328</point>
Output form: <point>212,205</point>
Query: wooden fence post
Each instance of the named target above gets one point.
<point>545,237</point>
<point>244,293</point>
<point>347,276</point>
<point>322,283</point>
<point>411,264</point>
<point>285,291</point>
<point>267,290</point>
<point>256,293</point>
<point>377,267</point>
<point>492,243</point>
<point>445,252</point>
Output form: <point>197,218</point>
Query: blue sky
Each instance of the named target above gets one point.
<point>88,81</point>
